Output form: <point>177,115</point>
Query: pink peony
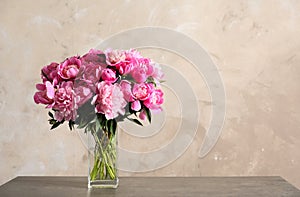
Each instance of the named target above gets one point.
<point>65,106</point>
<point>121,60</point>
<point>142,70</point>
<point>108,75</point>
<point>155,100</point>
<point>126,66</point>
<point>142,91</point>
<point>83,94</point>
<point>142,115</point>
<point>45,95</point>
<point>109,100</point>
<point>91,75</point>
<point>93,63</point>
<point>94,56</point>
<point>126,89</point>
<point>69,68</point>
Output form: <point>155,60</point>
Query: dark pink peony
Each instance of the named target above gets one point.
<point>91,75</point>
<point>50,73</point>
<point>124,67</point>
<point>45,95</point>
<point>93,63</point>
<point>69,68</point>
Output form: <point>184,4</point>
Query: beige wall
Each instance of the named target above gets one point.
<point>255,45</point>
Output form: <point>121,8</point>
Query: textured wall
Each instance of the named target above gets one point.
<point>255,45</point>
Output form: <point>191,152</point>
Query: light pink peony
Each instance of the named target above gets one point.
<point>109,100</point>
<point>114,57</point>
<point>132,54</point>
<point>69,68</point>
<point>45,95</point>
<point>157,72</point>
<point>155,100</point>
<point>142,91</point>
<point>108,75</point>
<point>65,106</point>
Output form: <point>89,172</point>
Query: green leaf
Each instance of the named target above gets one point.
<point>45,76</point>
<point>52,121</point>
<point>87,128</point>
<point>135,121</point>
<point>98,124</point>
<point>150,80</point>
<point>130,110</point>
<point>81,125</point>
<point>51,115</point>
<point>148,114</point>
<point>71,125</point>
<point>101,118</point>
<point>102,58</point>
<point>112,126</point>
<point>56,124</point>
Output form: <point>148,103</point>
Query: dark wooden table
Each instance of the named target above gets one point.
<point>151,186</point>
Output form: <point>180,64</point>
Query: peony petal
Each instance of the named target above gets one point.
<point>94,99</point>
<point>40,87</point>
<point>72,72</point>
<point>50,90</point>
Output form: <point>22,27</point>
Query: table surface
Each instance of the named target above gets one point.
<point>151,186</point>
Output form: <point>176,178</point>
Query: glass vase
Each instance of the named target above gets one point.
<point>102,153</point>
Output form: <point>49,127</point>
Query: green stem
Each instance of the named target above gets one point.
<point>105,166</point>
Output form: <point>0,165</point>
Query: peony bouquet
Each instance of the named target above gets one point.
<point>95,91</point>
